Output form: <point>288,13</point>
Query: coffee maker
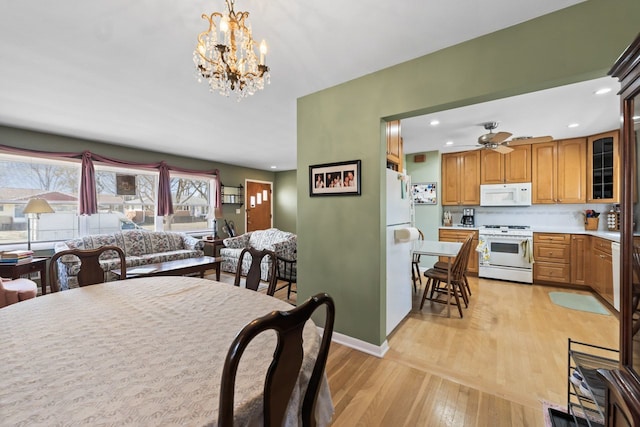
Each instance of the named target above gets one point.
<point>468,217</point>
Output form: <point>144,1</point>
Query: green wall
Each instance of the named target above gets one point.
<point>341,239</point>
<point>231,175</point>
<point>285,201</point>
<point>428,218</point>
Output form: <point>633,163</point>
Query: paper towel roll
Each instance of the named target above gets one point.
<point>406,234</point>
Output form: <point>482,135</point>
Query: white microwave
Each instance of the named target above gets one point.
<point>505,194</point>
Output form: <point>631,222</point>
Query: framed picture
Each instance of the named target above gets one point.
<point>335,179</point>
<point>126,185</point>
<point>424,193</point>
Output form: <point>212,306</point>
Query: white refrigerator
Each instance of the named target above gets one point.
<point>399,284</point>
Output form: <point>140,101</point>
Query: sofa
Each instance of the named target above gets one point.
<point>141,247</point>
<point>282,243</point>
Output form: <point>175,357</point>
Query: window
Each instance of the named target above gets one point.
<point>126,200</point>
<point>192,203</point>
<point>22,178</point>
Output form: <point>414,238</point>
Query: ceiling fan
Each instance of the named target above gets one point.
<point>500,141</point>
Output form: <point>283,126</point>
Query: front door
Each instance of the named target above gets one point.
<point>258,203</point>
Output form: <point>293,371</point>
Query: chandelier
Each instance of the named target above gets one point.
<point>225,55</point>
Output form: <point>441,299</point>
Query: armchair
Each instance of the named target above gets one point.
<point>282,243</point>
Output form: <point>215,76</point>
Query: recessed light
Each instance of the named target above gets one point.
<point>434,122</point>
<point>448,143</point>
<point>573,125</point>
<point>602,91</point>
<point>274,167</point>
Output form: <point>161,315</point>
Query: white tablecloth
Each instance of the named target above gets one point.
<point>145,351</point>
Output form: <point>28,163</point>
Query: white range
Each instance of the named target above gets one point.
<point>506,253</point>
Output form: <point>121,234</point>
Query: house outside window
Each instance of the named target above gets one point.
<point>126,200</point>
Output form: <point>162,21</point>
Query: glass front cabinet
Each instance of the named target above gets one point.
<point>623,384</point>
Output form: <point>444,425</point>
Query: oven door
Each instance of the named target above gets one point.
<point>509,251</point>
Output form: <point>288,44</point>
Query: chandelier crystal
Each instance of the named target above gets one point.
<point>225,55</point>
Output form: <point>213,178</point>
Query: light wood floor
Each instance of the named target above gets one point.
<point>494,367</point>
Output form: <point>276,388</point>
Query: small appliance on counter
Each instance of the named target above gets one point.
<point>468,217</point>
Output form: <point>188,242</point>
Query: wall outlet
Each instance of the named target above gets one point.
<point>238,211</point>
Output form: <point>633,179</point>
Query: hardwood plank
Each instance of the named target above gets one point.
<point>493,367</point>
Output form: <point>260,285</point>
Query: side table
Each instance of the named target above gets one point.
<point>14,271</point>
<point>214,246</point>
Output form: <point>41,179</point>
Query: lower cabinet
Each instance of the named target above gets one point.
<point>580,255</point>
<point>457,235</point>
<point>602,268</point>
<point>552,255</point>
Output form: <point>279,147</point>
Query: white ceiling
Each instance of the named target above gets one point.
<point>547,112</point>
<point>121,71</point>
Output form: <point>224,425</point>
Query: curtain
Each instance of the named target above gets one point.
<point>88,201</point>
<point>165,205</point>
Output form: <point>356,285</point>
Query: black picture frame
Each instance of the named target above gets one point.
<point>335,179</point>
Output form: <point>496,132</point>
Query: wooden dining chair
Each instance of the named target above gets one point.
<point>437,280</point>
<point>415,266</point>
<point>442,265</point>
<point>286,270</point>
<point>253,277</point>
<point>90,272</point>
<point>284,369</point>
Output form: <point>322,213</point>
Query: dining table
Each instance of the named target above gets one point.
<point>144,351</point>
<point>448,250</point>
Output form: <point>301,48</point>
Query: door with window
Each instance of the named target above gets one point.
<point>258,205</point>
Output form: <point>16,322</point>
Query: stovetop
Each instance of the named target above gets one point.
<point>506,230</point>
<point>510,227</point>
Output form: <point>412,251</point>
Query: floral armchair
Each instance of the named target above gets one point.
<point>283,243</point>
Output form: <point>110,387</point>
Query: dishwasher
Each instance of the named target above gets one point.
<point>615,264</point>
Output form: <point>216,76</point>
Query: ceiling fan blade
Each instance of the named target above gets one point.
<point>526,141</point>
<point>500,137</point>
<point>502,149</point>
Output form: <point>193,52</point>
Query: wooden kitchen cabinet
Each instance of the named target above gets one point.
<point>457,235</point>
<point>602,268</point>
<point>394,146</point>
<point>580,255</point>
<point>513,167</point>
<point>461,178</point>
<point>603,168</point>
<point>552,255</point>
<point>559,171</point>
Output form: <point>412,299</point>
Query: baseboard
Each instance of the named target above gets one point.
<point>356,344</point>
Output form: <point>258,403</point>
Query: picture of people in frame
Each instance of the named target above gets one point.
<point>334,180</point>
<point>349,179</point>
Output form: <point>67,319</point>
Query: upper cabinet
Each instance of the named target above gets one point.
<point>514,167</point>
<point>559,171</point>
<point>603,163</point>
<point>394,146</point>
<point>461,178</point>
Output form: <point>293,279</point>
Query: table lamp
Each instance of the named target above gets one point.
<point>217,214</point>
<point>35,206</point>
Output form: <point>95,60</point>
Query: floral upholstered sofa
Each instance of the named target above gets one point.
<point>141,247</point>
<point>283,243</point>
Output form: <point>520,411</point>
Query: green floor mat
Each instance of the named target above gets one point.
<point>578,302</point>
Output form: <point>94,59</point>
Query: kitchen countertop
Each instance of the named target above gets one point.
<point>609,235</point>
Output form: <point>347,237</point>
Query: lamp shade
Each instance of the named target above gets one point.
<point>38,206</point>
